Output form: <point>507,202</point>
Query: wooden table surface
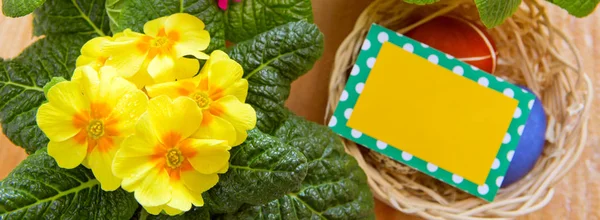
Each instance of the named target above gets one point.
<point>578,195</point>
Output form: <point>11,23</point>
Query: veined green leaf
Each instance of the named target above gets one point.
<point>494,12</point>
<point>261,169</point>
<point>334,188</point>
<point>21,85</point>
<point>135,13</point>
<point>249,18</point>
<point>196,213</point>
<point>71,16</point>
<point>271,61</point>
<point>579,8</point>
<point>113,10</point>
<point>39,189</point>
<point>19,8</point>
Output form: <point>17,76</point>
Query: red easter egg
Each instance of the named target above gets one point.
<point>460,38</point>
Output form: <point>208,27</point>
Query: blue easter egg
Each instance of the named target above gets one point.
<point>530,145</point>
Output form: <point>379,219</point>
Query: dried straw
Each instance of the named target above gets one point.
<point>531,52</point>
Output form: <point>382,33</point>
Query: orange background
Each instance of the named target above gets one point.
<point>577,196</point>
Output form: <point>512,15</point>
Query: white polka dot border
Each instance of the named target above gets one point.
<point>457,179</point>
<point>433,59</point>
<point>483,189</point>
<point>383,37</point>
<point>521,129</point>
<point>332,121</point>
<point>499,181</point>
<point>495,164</point>
<point>366,45</point>
<point>355,133</point>
<point>483,81</point>
<point>355,70</point>
<point>432,167</point>
<point>506,138</point>
<point>381,145</point>
<point>509,92</point>
<point>458,70</point>
<point>371,62</point>
<point>518,113</point>
<point>510,155</point>
<point>530,104</point>
<point>348,113</point>
<point>344,96</point>
<point>359,87</point>
<point>408,47</point>
<point>406,156</point>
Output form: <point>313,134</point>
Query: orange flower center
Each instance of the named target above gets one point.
<point>160,42</point>
<point>95,129</point>
<point>202,99</point>
<point>174,158</point>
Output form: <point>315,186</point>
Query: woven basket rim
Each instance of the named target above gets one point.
<point>514,200</point>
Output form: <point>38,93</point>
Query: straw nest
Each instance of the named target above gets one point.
<point>532,52</point>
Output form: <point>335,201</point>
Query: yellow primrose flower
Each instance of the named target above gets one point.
<point>220,91</point>
<point>94,54</point>
<point>87,118</point>
<point>166,168</point>
<point>165,42</point>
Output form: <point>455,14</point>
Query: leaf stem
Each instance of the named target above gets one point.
<point>86,18</point>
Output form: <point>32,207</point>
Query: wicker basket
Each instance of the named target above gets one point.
<point>531,52</point>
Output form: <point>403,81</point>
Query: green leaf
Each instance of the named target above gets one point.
<point>494,12</point>
<point>421,2</point>
<point>579,8</point>
<point>271,61</point>
<point>71,16</point>
<point>334,188</point>
<point>113,10</point>
<point>196,213</point>
<point>261,169</point>
<point>135,13</point>
<point>249,18</point>
<point>19,8</point>
<point>39,189</point>
<point>21,85</point>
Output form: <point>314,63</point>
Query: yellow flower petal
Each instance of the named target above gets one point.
<point>127,55</point>
<point>88,79</point>
<point>207,156</point>
<point>134,160</point>
<point>173,89</point>
<point>215,56</point>
<point>155,189</point>
<point>100,162</point>
<point>199,183</point>
<point>152,27</point>
<point>180,198</point>
<point>184,49</point>
<point>181,115</point>
<point>154,210</point>
<point>242,116</point>
<point>214,127</point>
<point>171,211</point>
<point>68,97</point>
<point>142,78</point>
<point>68,154</point>
<point>55,123</point>
<point>239,89</point>
<point>92,53</point>
<point>161,66</point>
<point>224,73</point>
<point>185,68</point>
<point>189,31</point>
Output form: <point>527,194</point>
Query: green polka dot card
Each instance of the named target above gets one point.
<point>432,112</point>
